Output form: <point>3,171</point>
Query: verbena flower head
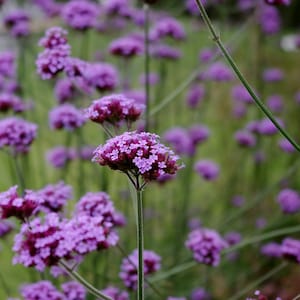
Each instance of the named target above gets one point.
<point>50,62</point>
<point>99,204</point>
<point>54,37</point>
<point>129,267</point>
<point>5,227</point>
<point>167,27</point>
<point>53,197</point>
<point>17,22</point>
<point>80,14</point>
<point>7,64</point>
<point>66,117</point>
<point>271,249</point>
<point>139,153</point>
<point>232,238</point>
<point>165,52</point>
<point>65,90</point>
<point>50,8</point>
<point>59,156</point>
<point>153,79</point>
<point>266,127</point>
<point>195,95</point>
<point>273,75</point>
<point>278,2</point>
<point>269,20</point>
<point>101,76</point>
<point>240,93</point>
<point>275,103</point>
<point>11,102</point>
<point>126,47</point>
<point>115,110</point>
<point>21,207</point>
<point>207,169</point>
<point>245,138</point>
<point>206,245</point>
<point>200,294</point>
<point>116,7</point>
<point>290,249</point>
<point>289,201</point>
<point>206,55</point>
<point>42,290</point>
<point>17,134</point>
<point>73,290</point>
<point>115,293</point>
<point>286,146</point>
<point>218,71</point>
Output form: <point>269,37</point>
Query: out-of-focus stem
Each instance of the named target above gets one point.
<point>19,173</point>
<point>147,65</point>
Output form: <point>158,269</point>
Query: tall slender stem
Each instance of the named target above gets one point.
<point>260,104</point>
<point>19,173</point>
<point>81,280</point>
<point>147,66</point>
<point>140,239</point>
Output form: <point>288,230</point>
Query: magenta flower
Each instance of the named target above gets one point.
<point>269,19</point>
<point>200,294</point>
<point>11,102</point>
<point>290,249</point>
<point>266,127</point>
<point>273,75</point>
<point>140,154</point>
<point>195,95</point>
<point>278,2</point>
<point>207,169</point>
<point>218,71</point>
<point>50,8</point>
<point>271,249</point>
<point>59,156</point>
<point>275,103</point>
<point>66,117</point>
<point>206,245</point>
<point>7,64</point>
<point>126,47</point>
<point>5,227</point>
<point>289,201</point>
<point>54,37</point>
<point>115,110</point>
<point>240,93</point>
<point>286,146</point>
<point>165,52</point>
<point>65,90</point>
<point>17,22</point>
<point>245,138</point>
<point>129,267</point>
<point>42,290</point>
<point>116,7</point>
<point>115,293</point>
<point>73,290</point>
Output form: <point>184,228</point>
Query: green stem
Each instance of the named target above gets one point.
<point>260,104</point>
<point>81,280</point>
<point>19,174</point>
<point>4,285</point>
<point>147,65</point>
<point>140,239</point>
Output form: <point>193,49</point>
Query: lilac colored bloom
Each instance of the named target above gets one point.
<point>12,205</point>
<point>269,19</point>
<point>238,201</point>
<point>51,8</point>
<point>126,47</point>
<point>99,204</point>
<point>253,126</point>
<point>17,22</point>
<point>141,153</point>
<point>73,290</point>
<point>138,95</point>
<point>75,67</point>
<point>17,134</point>
<point>195,95</point>
<point>232,238</point>
<point>59,156</point>
<point>192,7</point>
<point>266,127</point>
<point>206,245</point>
<point>86,152</point>
<point>260,223</point>
<point>66,117</point>
<point>207,169</point>
<point>52,61</point>
<point>102,76</point>
<point>165,52</point>
<point>207,54</point>
<point>7,64</point>
<point>54,37</point>
<point>198,134</point>
<point>273,75</point>
<point>200,294</point>
<point>245,138</point>
<point>153,79</point>
<point>218,71</point>
<point>65,90</point>
<point>167,27</point>
<point>271,249</point>
<point>5,227</point>
<point>162,179</point>
<point>289,201</point>
<point>42,290</point>
<point>240,93</point>
<point>278,2</point>
<point>239,109</point>
<point>286,146</point>
<point>11,102</point>
<point>129,267</point>
<point>80,14</point>
<point>290,249</point>
<point>275,103</point>
<point>116,7</point>
<point>194,223</point>
<point>115,293</point>
<point>115,109</point>
<point>54,197</point>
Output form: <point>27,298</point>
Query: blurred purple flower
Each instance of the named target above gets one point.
<point>126,47</point>
<point>115,293</point>
<point>207,169</point>
<point>195,95</point>
<point>271,249</point>
<point>200,294</point>
<point>245,138</point>
<point>273,75</point>
<point>289,201</point>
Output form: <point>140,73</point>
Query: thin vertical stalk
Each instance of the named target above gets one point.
<point>19,173</point>
<point>259,103</point>
<point>140,240</point>
<point>147,65</point>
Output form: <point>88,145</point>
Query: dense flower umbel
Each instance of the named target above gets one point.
<point>115,109</point>
<point>271,249</point>
<point>163,51</point>
<point>138,153</point>
<point>200,294</point>
<point>7,64</point>
<point>73,290</point>
<point>59,156</point>
<point>5,227</point>
<point>17,22</point>
<point>289,201</point>
<point>126,47</point>
<point>11,102</point>
<point>50,8</point>
<point>17,134</point>
<point>54,37</point>
<point>206,245</point>
<point>42,290</point>
<point>80,14</point>
<point>115,293</point>
<point>207,169</point>
<point>66,117</point>
<point>278,2</point>
<point>13,205</point>
<point>129,267</point>
<point>290,249</point>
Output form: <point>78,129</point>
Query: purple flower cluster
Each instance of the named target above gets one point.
<point>80,14</point>
<point>206,245</point>
<point>7,64</point>
<point>42,244</point>
<point>116,7</point>
<point>138,153</point>
<point>126,47</point>
<point>167,27</point>
<point>99,204</point>
<point>207,169</point>
<point>185,141</point>
<point>11,102</point>
<point>115,110</point>
<point>200,294</point>
<point>218,71</point>
<point>115,293</point>
<point>289,201</point>
<point>54,37</point>
<point>12,205</point>
<point>240,93</point>
<point>129,267</point>
<point>269,19</point>
<point>245,138</point>
<point>66,117</point>
<point>286,146</point>
<point>275,103</point>
<point>65,90</point>
<point>59,156</point>
<point>72,290</point>
<point>278,2</point>
<point>17,134</point>
<point>290,249</point>
<point>273,75</point>
<point>163,51</point>
<point>50,8</point>
<point>271,249</point>
<point>17,22</point>
<point>195,95</point>
<point>5,226</point>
